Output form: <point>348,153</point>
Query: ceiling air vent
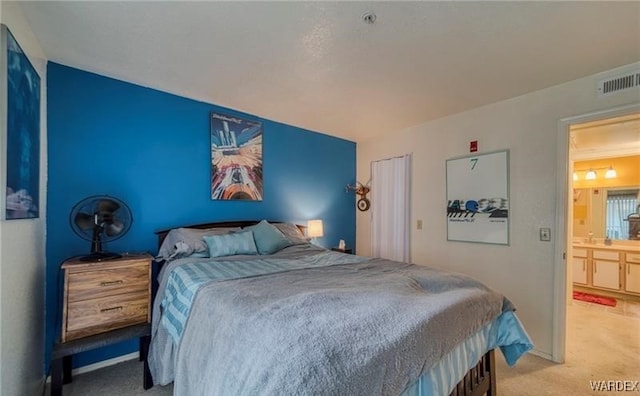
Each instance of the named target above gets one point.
<point>619,83</point>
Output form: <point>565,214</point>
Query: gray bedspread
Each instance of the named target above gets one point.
<point>360,329</point>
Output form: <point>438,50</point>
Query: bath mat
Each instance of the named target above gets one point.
<point>594,298</point>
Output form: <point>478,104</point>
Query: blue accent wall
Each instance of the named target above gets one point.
<point>151,149</point>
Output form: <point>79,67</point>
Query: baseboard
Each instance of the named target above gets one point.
<point>543,355</point>
<point>102,364</point>
<point>105,363</point>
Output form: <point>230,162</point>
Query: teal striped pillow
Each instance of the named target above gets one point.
<point>230,244</point>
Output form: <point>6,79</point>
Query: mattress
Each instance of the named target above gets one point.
<point>436,374</point>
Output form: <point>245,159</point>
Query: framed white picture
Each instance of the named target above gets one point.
<point>478,198</point>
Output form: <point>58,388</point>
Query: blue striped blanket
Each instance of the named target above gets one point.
<point>185,280</point>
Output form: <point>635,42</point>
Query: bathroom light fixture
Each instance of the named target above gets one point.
<point>611,173</point>
<point>592,173</point>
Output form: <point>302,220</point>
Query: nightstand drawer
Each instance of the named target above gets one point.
<point>100,296</point>
<point>102,283</point>
<point>107,313</point>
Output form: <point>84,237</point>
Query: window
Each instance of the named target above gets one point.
<point>620,204</point>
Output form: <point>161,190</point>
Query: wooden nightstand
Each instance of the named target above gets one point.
<point>104,302</point>
<point>347,251</point>
<point>105,295</point>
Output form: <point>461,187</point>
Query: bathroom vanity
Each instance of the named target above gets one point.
<point>614,268</point>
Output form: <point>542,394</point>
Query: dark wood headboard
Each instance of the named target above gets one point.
<point>162,234</point>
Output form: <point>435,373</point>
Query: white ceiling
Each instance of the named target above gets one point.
<point>317,65</point>
<point>612,137</point>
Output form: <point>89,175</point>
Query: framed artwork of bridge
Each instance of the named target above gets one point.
<point>478,198</point>
<point>236,158</point>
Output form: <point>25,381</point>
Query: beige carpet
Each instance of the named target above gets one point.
<point>603,344</point>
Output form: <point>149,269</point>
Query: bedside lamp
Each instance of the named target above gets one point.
<point>314,229</point>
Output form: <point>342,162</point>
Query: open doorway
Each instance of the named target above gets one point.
<point>603,274</point>
<point>604,158</point>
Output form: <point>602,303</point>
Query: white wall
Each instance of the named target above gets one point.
<point>528,126</point>
<point>22,255</point>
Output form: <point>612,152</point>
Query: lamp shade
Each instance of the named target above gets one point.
<point>611,173</point>
<point>314,229</point>
<point>591,175</point>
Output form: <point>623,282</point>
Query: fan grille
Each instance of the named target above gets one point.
<point>100,218</point>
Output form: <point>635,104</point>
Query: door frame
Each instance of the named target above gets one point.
<point>562,244</point>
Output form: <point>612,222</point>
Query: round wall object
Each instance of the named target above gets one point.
<point>363,204</point>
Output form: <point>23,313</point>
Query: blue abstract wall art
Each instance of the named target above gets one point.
<point>236,158</point>
<point>23,132</point>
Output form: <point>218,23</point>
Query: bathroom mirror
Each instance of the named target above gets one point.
<point>607,212</point>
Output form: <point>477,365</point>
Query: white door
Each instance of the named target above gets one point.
<point>390,198</point>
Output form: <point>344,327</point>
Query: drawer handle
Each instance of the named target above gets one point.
<point>595,267</point>
<point>117,282</point>
<point>119,308</point>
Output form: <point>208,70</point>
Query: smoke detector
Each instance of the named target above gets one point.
<point>369,18</point>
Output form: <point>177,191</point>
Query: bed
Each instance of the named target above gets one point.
<point>287,317</point>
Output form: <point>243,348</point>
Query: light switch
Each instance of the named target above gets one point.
<point>419,224</point>
<point>545,234</point>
